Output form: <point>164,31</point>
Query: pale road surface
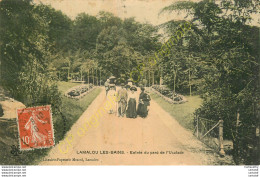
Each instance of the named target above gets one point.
<point>158,132</point>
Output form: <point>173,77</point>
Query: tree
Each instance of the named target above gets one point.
<point>59,27</point>
<point>121,47</point>
<point>25,55</point>
<point>85,31</point>
<point>229,57</point>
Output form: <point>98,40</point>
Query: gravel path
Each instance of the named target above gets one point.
<point>132,141</point>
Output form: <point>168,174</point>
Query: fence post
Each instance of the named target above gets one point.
<point>221,146</point>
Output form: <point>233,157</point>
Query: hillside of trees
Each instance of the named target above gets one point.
<point>217,59</point>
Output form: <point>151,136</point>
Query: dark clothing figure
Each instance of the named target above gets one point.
<point>144,101</point>
<point>131,109</point>
<point>107,86</point>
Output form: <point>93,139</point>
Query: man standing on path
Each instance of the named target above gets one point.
<point>107,86</point>
<point>122,100</point>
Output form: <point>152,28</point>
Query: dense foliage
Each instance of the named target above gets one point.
<point>222,56</point>
<point>25,54</point>
<point>218,58</point>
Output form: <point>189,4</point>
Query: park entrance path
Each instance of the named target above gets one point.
<point>157,133</point>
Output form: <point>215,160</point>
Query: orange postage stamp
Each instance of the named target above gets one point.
<point>35,127</point>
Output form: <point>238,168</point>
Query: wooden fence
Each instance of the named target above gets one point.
<point>210,132</point>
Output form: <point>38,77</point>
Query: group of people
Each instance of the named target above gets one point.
<point>127,99</point>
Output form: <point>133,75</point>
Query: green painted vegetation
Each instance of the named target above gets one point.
<point>70,111</point>
<point>217,58</point>
<point>183,113</point>
<point>64,86</point>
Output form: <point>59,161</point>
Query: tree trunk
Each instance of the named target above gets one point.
<point>149,78</point>
<point>236,140</point>
<point>69,71</point>
<point>174,81</point>
<point>161,77</point>
<point>221,145</point>
<point>189,82</point>
<point>68,74</point>
<point>88,76</point>
<point>97,76</point>
<point>93,76</point>
<point>80,74</point>
<point>153,78</point>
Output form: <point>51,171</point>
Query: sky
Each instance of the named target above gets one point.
<point>145,11</point>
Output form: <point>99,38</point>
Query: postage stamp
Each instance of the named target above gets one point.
<point>35,127</point>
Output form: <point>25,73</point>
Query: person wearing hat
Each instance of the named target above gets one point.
<point>112,95</point>
<point>107,86</point>
<point>122,96</point>
<point>131,106</point>
<point>144,101</point>
<point>128,88</point>
<point>130,82</point>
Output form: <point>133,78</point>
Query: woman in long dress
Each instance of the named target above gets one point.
<point>131,106</point>
<point>144,101</point>
<point>112,96</point>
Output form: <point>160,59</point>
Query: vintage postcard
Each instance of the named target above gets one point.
<point>129,82</point>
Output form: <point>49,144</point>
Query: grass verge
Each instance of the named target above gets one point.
<point>181,112</point>
<point>64,86</point>
<point>72,109</point>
